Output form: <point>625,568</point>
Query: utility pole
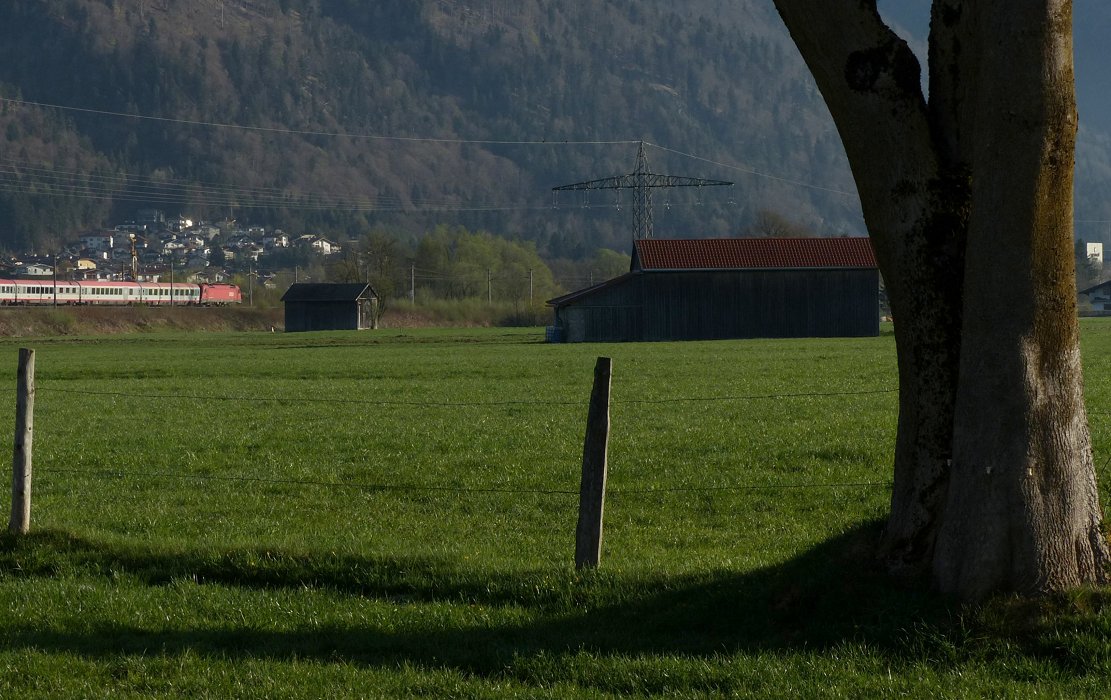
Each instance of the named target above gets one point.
<point>250,286</point>
<point>642,182</point>
<point>172,279</point>
<point>55,269</point>
<point>489,286</point>
<point>133,238</point>
<point>412,284</point>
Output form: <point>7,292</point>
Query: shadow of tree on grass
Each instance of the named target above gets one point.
<point>823,598</point>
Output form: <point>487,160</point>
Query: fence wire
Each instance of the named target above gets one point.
<point>459,404</point>
<point>444,488</point>
<point>416,488</point>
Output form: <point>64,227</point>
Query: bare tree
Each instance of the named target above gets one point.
<point>968,200</point>
<point>771,223</point>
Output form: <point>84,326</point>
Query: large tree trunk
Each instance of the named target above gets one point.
<point>968,200</point>
<point>1022,511</point>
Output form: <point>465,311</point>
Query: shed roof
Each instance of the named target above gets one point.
<point>587,291</point>
<point>312,291</point>
<point>1101,285</point>
<point>651,254</point>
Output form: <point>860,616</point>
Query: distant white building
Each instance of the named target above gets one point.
<point>97,241</point>
<point>35,270</point>
<point>277,239</point>
<point>1095,252</point>
<point>319,244</point>
<point>323,245</point>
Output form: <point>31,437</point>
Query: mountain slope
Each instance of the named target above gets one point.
<point>342,115</point>
<point>713,79</point>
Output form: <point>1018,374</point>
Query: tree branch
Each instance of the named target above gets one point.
<point>871,82</point>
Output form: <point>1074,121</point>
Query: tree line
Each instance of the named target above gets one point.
<point>491,278</point>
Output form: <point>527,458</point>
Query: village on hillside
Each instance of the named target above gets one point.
<point>152,247</point>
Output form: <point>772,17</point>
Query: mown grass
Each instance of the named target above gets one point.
<point>392,514</point>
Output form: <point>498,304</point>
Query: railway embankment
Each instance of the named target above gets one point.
<point>83,320</point>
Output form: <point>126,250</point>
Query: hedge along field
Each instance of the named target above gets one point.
<point>392,513</point>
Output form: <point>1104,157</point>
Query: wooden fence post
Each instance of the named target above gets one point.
<point>21,458</point>
<point>592,490</point>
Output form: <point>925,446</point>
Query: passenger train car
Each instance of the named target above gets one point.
<point>45,292</point>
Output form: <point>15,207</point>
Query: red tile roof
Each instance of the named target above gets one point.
<point>753,253</point>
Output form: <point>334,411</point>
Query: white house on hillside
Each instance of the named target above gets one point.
<point>325,247</point>
<point>319,244</point>
<point>97,241</point>
<point>277,239</point>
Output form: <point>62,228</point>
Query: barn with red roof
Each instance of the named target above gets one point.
<point>714,288</point>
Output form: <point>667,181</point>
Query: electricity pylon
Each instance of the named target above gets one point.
<point>642,182</point>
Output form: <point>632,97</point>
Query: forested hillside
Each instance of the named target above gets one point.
<point>450,83</point>
<point>342,115</point>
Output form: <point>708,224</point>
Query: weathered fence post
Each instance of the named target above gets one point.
<point>592,490</point>
<point>21,454</point>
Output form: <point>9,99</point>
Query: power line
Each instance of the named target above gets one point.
<point>129,187</point>
<point>641,181</point>
<point>542,142</point>
<point>757,173</point>
<point>310,132</point>
<point>303,206</point>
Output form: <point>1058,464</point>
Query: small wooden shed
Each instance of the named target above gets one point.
<point>711,288</point>
<point>330,307</point>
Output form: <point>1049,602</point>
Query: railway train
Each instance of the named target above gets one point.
<point>101,293</point>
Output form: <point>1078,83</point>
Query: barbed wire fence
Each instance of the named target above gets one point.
<point>592,489</point>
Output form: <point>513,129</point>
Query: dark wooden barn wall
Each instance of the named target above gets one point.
<point>321,316</point>
<point>611,314</point>
<point>761,304</point>
<point>712,305</point>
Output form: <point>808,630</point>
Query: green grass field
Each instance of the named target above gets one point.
<point>392,513</point>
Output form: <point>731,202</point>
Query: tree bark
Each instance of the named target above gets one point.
<point>968,201</point>
<point>915,204</point>
<point>1023,511</point>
